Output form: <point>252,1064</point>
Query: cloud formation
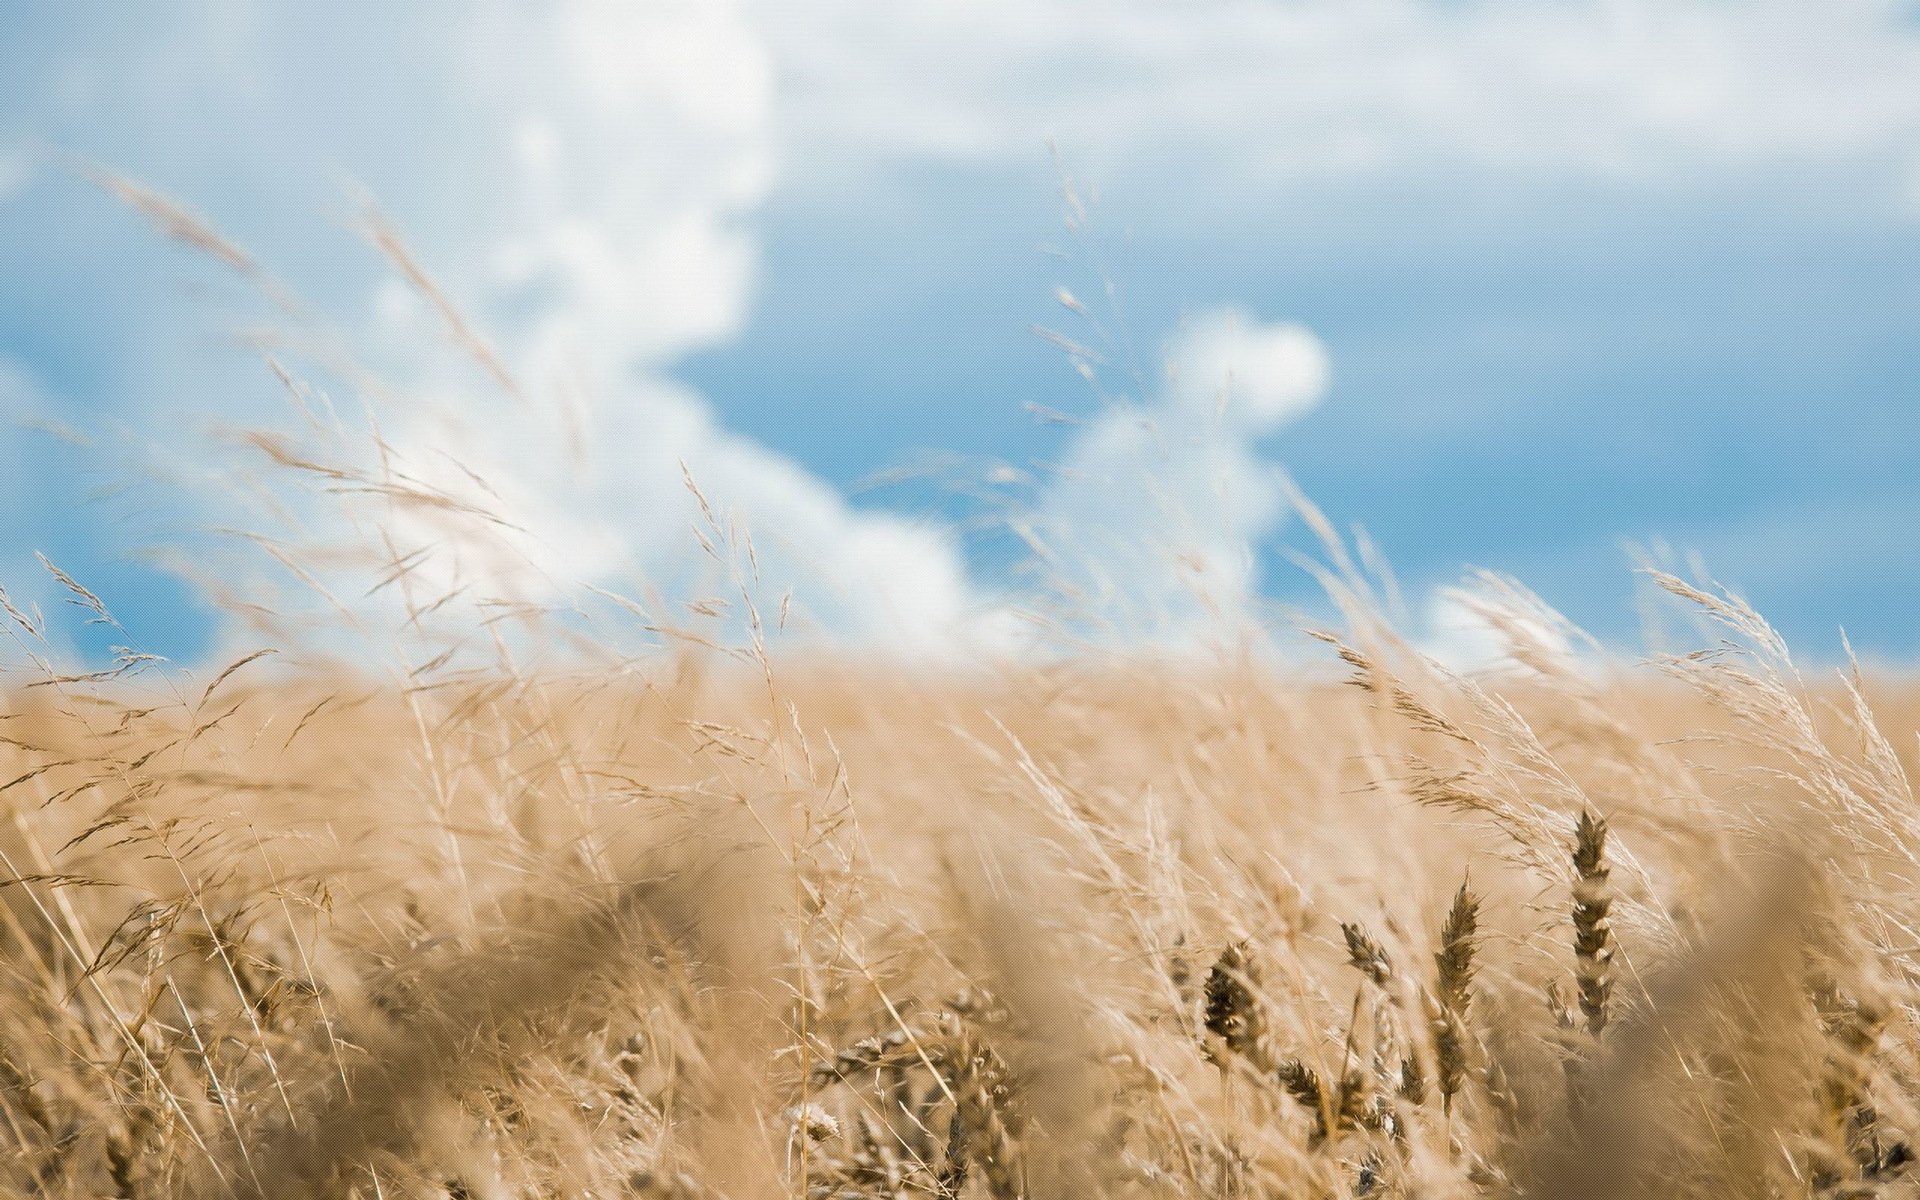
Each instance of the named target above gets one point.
<point>584,179</point>
<point>1246,97</point>
<point>618,240</point>
<point>1151,528</point>
<point>579,182</point>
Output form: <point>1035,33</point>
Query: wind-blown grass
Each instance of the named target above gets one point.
<point>1057,930</point>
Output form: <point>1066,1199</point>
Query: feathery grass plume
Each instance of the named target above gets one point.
<point>1453,992</point>
<point>1592,931</point>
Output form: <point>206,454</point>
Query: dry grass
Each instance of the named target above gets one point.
<point>1057,931</point>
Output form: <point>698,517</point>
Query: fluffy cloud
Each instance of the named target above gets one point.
<point>1151,529</point>
<point>579,183</point>
<point>1229,368</point>
<point>640,141</point>
<point>1492,622</point>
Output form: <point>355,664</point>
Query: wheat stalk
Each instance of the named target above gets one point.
<point>1592,931</point>
<point>1453,993</point>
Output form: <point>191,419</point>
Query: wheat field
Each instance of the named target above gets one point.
<point>753,926</point>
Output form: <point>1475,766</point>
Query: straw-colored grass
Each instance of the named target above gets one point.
<point>1058,930</point>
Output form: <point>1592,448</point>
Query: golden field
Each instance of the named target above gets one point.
<point>753,927</point>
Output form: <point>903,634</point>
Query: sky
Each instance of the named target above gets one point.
<point>921,294</point>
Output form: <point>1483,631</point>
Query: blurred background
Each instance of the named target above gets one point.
<point>927,292</point>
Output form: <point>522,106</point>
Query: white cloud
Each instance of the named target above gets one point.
<point>1151,525</point>
<point>1492,623</point>
<point>641,143</point>
<point>1242,96</point>
<point>1152,528</point>
<point>623,516</point>
<point>1458,634</point>
<point>581,180</point>
<point>1228,367</point>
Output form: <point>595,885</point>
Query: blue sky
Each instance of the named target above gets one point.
<point>1586,274</point>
